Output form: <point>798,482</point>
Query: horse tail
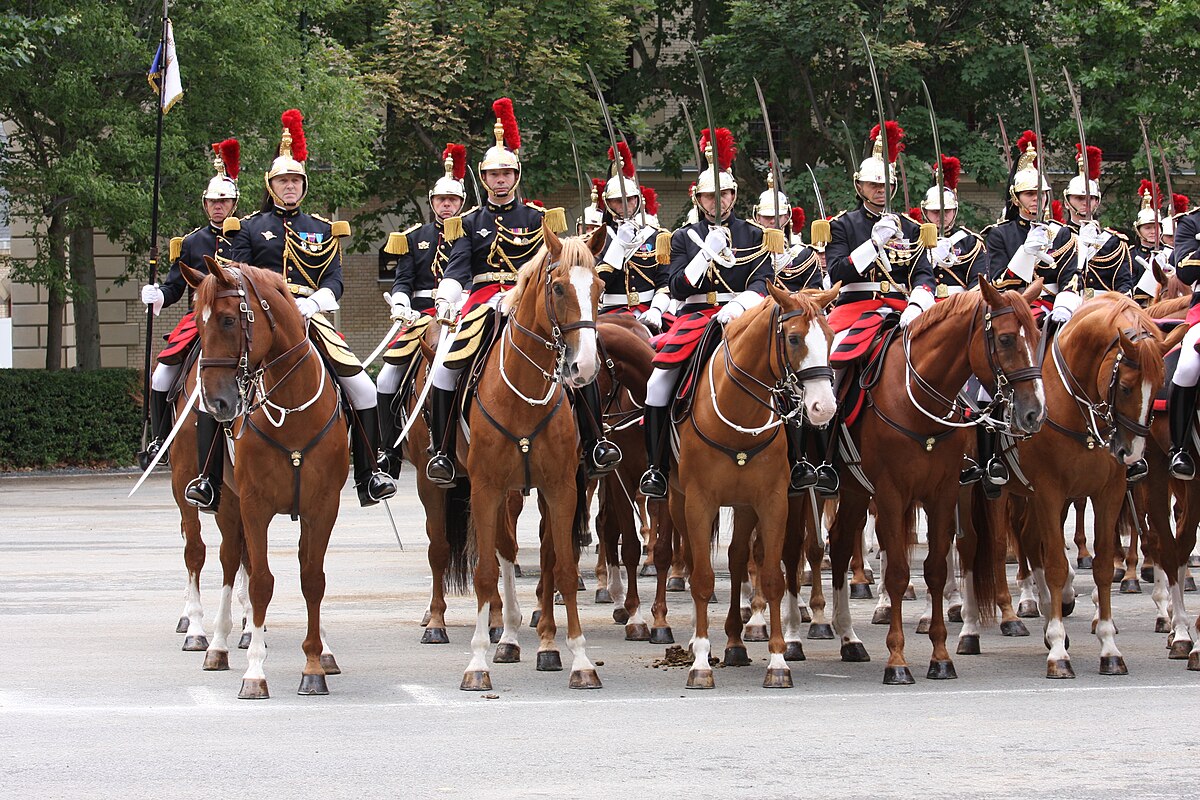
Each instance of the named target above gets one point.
<point>581,537</point>
<point>460,532</point>
<point>991,546</point>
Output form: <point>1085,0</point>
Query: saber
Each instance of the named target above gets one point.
<point>618,160</point>
<point>903,179</point>
<point>778,176</point>
<point>887,173</point>
<point>691,129</point>
<point>578,172</point>
<point>937,155</point>
<point>187,409</point>
<point>475,187</point>
<point>850,162</point>
<point>1084,169</point>
<point>817,191</point>
<point>392,519</point>
<point>1007,146</point>
<point>1162,154</point>
<point>1037,131</point>
<point>712,139</point>
<point>641,202</point>
<point>1154,199</point>
<point>439,358</point>
<point>388,339</point>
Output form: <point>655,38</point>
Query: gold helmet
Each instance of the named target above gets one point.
<point>227,163</point>
<point>505,153</point>
<point>951,170</point>
<point>772,203</point>
<point>1025,179</point>
<point>454,161</point>
<point>1145,215</point>
<point>726,153</point>
<point>871,169</point>
<point>1087,181</point>
<point>293,152</point>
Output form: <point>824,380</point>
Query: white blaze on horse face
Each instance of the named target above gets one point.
<point>819,402</point>
<point>1138,445</point>
<point>582,279</point>
<point>206,315</point>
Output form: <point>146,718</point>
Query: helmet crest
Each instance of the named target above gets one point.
<point>293,121</point>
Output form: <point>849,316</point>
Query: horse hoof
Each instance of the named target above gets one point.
<point>700,679</point>
<point>535,618</point>
<point>954,613</point>
<point>805,614</point>
<point>216,660</point>
<point>855,652</point>
<point>244,642</point>
<point>579,584</point>
<point>881,616</point>
<point>1083,563</point>
<point>662,635</point>
<point>1162,625</point>
<point>1068,608</point>
<point>806,578</point>
<point>637,632</point>
<point>1060,668</point>
<point>820,630</point>
<point>253,689</point>
<point>425,619</point>
<point>941,670</point>
<point>968,645</point>
<point>1013,627</point>
<point>755,633</point>
<point>1194,662</point>
<point>312,685</point>
<point>517,571</point>
<point>793,651</point>
<point>435,636</point>
<point>1179,650</point>
<point>910,593</point>
<point>549,661</point>
<point>194,644</point>
<point>675,584</point>
<point>584,679</point>
<point>558,599</point>
<point>494,634</point>
<point>603,596</point>
<point>648,571</point>
<point>869,574</point>
<point>712,598</point>
<point>1148,574</point>
<point>1131,586</point>
<point>860,591</point>
<point>183,625</point>
<point>1113,665</point>
<point>620,615</point>
<point>736,657</point>
<point>1194,561</point>
<point>1189,583</point>
<point>507,653</point>
<point>1028,609</point>
<point>778,678</point>
<point>923,625</point>
<point>329,664</point>
<point>479,680</point>
<point>897,676</point>
<point>1118,574</point>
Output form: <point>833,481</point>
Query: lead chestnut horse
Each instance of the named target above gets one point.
<point>912,436</point>
<point>773,360</point>
<point>523,436</point>
<point>261,373</point>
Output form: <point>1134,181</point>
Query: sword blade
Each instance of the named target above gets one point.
<point>817,191</point>
<point>887,174</point>
<point>439,357</point>
<point>578,172</point>
<point>391,335</point>
<point>1154,198</point>
<point>1037,131</point>
<point>1083,153</point>
<point>618,161</point>
<point>712,136</point>
<point>183,415</point>
<point>762,105</point>
<point>937,159</point>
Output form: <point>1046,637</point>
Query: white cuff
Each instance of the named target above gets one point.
<point>922,297</point>
<point>696,269</point>
<point>1068,300</point>
<point>1022,265</point>
<point>616,253</point>
<point>864,256</point>
<point>748,299</point>
<point>449,290</point>
<point>325,300</point>
<point>661,301</point>
<point>1147,284</point>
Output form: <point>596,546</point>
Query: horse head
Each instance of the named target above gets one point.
<point>802,342</point>
<point>1004,357</point>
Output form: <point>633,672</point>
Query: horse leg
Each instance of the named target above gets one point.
<point>262,587</point>
<point>847,526</point>
<point>953,592</point>
<point>892,529</point>
<point>549,659</point>
<point>699,512</point>
<point>772,528</point>
<point>882,614</point>
<point>649,535</point>
<point>744,520</point>
<point>860,587</point>
<point>756,623</point>
<point>1042,540</point>
<point>604,545</point>
<point>792,553</point>
<point>1127,557</point>
<point>1107,506</point>
<point>938,561</point>
<point>1083,558</point>
<point>229,522</point>
<point>559,512</point>
<point>193,559</point>
<point>636,629</point>
<point>676,579</point>
<point>1184,639</point>
<point>476,677</point>
<point>660,632</point>
<point>814,554</point>
<point>314,541</point>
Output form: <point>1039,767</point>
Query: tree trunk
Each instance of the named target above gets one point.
<point>56,236</point>
<point>87,315</point>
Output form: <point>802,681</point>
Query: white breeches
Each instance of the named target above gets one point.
<point>388,381</point>
<point>163,376</point>
<point>359,390</point>
<point>445,378</point>
<point>660,386</point>
<point>1188,371</point>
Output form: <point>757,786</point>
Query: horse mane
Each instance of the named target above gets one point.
<point>947,308</point>
<point>745,320</point>
<point>1164,309</point>
<point>1119,311</point>
<point>263,279</point>
<point>631,355</point>
<point>574,251</point>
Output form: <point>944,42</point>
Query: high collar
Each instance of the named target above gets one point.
<point>497,207</point>
<point>215,229</point>
<point>286,213</point>
<point>872,215</point>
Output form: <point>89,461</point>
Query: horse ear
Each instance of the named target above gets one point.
<point>1128,347</point>
<point>824,298</point>
<point>780,296</point>
<point>193,276</point>
<point>991,295</point>
<point>1159,277</point>
<point>596,241</point>
<point>1033,291</point>
<point>1174,338</point>
<point>553,243</point>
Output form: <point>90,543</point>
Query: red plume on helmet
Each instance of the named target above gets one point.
<point>1180,203</point>
<point>503,109</point>
<point>537,203</point>
<point>951,170</point>
<point>230,153</point>
<point>894,136</point>
<point>798,218</point>
<point>598,188</point>
<point>1024,140</point>
<point>627,166</point>
<point>1056,211</point>
<point>1093,161</point>
<point>1145,188</point>
<point>726,148</point>
<point>915,213</point>
<point>650,198</point>
<point>458,154</point>
<point>293,120</point>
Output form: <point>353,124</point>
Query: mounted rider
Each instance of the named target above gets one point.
<point>959,258</point>
<point>798,266</point>
<point>593,216</point>
<point>719,268</point>
<point>1181,401</point>
<point>306,249</point>
<point>421,254</point>
<point>1104,252</point>
<point>1148,249</point>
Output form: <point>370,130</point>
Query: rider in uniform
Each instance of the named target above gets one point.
<point>306,249</point>
<point>592,217</point>
<point>1108,266</point>
<point>498,238</point>
<point>959,258</point>
<point>219,201</point>
<point>1181,402</point>
<point>1148,248</point>
<point>719,268</point>
<point>421,253</point>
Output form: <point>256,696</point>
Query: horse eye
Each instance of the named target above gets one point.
<point>226,322</point>
<point>1126,390</point>
<point>1008,340</point>
<point>793,339</point>
<point>558,290</point>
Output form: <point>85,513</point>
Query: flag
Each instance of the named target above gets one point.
<point>164,79</point>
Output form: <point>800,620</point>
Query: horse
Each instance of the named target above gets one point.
<point>520,440</point>
<point>912,435</point>
<point>1101,374</point>
<point>290,452</point>
<point>774,360</point>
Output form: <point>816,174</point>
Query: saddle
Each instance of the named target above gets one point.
<point>864,366</point>
<point>685,393</point>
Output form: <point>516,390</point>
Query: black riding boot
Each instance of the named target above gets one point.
<point>204,491</point>
<point>973,472</point>
<point>389,458</point>
<point>440,468</point>
<point>600,456</point>
<point>654,479</point>
<point>158,431</point>
<point>1181,411</point>
<point>828,481</point>
<point>804,474</point>
<point>372,484</point>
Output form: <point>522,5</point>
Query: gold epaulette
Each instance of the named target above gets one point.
<point>231,225</point>
<point>929,235</point>
<point>176,247</point>
<point>397,243</point>
<point>340,228</point>
<point>773,240</point>
<point>662,247</point>
<point>556,219</point>
<point>452,228</point>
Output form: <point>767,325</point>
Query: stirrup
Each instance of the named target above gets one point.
<point>996,472</point>
<point>1136,471</point>
<point>390,461</point>
<point>653,484</point>
<point>970,474</point>
<point>440,470</point>
<point>201,493</point>
<point>1182,465</point>
<point>602,458</point>
<point>379,486</point>
<point>803,477</point>
<point>146,456</point>
<point>828,481</point>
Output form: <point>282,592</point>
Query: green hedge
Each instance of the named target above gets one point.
<point>69,418</point>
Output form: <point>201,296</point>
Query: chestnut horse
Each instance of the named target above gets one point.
<point>773,361</point>
<point>261,373</point>
<point>912,436</point>
<point>523,436</point>
<point>1101,374</point>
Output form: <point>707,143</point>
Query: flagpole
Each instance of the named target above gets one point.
<point>154,229</point>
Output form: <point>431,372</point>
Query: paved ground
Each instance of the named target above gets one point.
<point>99,701</point>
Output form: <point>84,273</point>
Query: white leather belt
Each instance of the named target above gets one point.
<point>424,293</point>
<point>495,277</point>
<point>946,291</point>
<point>1050,288</point>
<point>300,291</point>
<point>871,286</point>
<point>624,299</point>
<point>710,298</point>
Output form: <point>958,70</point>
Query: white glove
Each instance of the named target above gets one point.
<point>627,231</point>
<point>912,312</point>
<point>716,242</point>
<point>1060,314</point>
<point>885,229</point>
<point>307,306</point>
<point>153,296</point>
<point>1091,235</point>
<point>400,308</point>
<point>942,252</point>
<point>652,319</point>
<point>729,312</point>
<point>1037,240</point>
<point>446,298</point>
<point>1163,259</point>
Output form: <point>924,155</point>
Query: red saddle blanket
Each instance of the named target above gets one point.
<point>179,340</point>
<point>677,345</point>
